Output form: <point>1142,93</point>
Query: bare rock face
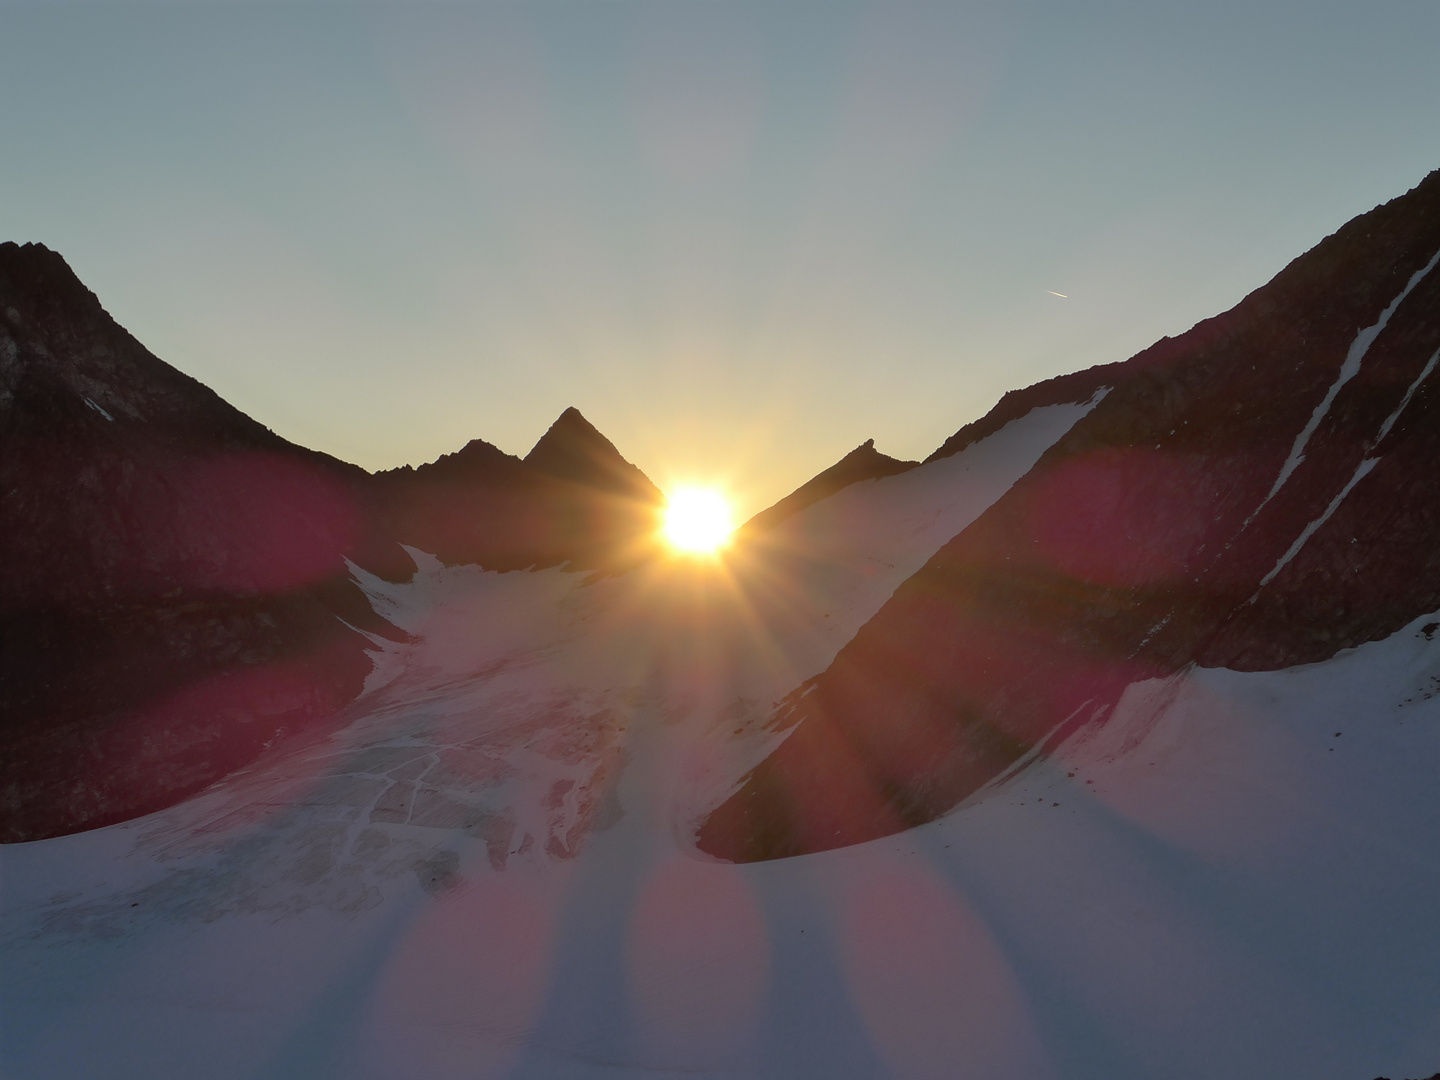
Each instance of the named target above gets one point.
<point>172,570</point>
<point>1258,493</point>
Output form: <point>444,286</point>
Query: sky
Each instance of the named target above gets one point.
<point>740,237</point>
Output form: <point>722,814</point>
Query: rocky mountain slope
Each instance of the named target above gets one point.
<point>1255,494</point>
<point>172,570</point>
<point>176,595</point>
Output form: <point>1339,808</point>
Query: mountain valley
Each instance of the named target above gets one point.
<point>1100,744</point>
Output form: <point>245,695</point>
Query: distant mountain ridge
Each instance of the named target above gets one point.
<point>862,463</point>
<point>572,449</point>
<point>573,500</point>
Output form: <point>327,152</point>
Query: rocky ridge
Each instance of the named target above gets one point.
<point>862,463</point>
<point>1255,494</point>
<point>176,594</point>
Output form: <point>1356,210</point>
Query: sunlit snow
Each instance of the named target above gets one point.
<point>489,871</point>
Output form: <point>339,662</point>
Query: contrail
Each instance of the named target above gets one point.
<point>1061,295</point>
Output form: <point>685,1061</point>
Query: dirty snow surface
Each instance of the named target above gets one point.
<point>488,870</point>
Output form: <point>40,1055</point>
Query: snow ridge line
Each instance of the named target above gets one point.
<point>1348,370</point>
<point>1361,471</point>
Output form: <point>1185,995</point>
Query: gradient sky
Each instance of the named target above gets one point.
<point>740,237</point>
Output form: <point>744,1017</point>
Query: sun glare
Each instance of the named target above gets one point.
<point>697,521</point>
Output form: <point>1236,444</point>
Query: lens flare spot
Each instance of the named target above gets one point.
<point>697,521</point>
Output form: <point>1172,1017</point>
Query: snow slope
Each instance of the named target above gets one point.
<point>488,872</point>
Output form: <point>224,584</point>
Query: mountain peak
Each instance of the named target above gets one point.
<point>66,364</point>
<point>39,283</point>
<point>862,463</point>
<point>573,449</point>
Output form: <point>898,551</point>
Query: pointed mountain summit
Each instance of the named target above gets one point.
<point>862,463</point>
<point>573,501</point>
<point>574,450</point>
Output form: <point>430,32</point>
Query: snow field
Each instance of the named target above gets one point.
<point>488,872</point>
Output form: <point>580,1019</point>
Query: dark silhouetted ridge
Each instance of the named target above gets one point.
<point>862,463</point>
<point>1258,493</point>
<point>573,501</point>
<point>171,571</point>
<point>477,462</point>
<point>574,450</point>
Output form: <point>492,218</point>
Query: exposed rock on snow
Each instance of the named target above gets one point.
<point>1248,495</point>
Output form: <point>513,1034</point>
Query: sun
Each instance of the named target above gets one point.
<point>697,521</point>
